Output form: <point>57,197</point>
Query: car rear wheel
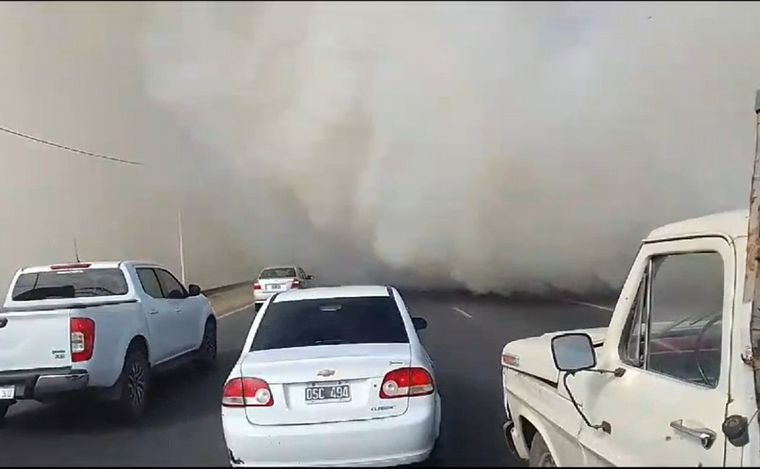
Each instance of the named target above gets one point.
<point>540,456</point>
<point>134,385</point>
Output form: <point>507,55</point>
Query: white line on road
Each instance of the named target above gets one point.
<point>235,311</point>
<point>462,312</point>
<point>604,308</point>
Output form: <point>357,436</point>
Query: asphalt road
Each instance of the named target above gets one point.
<point>464,337</point>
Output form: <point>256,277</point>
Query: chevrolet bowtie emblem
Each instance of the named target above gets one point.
<point>326,372</point>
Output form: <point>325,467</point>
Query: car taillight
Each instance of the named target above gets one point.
<point>406,382</point>
<point>247,392</point>
<point>296,284</point>
<point>257,286</point>
<point>82,339</point>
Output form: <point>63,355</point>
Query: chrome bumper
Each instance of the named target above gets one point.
<point>33,384</point>
<point>54,384</point>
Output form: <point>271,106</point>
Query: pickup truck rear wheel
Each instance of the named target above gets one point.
<point>540,456</point>
<point>134,384</point>
<point>207,350</point>
<point>3,410</point>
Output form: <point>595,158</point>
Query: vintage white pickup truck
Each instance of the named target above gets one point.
<point>671,381</point>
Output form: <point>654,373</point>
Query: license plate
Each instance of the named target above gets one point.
<point>328,393</point>
<point>7,392</point>
<point>273,287</point>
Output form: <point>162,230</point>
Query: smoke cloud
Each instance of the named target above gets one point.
<point>499,147</point>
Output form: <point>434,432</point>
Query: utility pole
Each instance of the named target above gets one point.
<point>181,246</point>
<point>751,272</point>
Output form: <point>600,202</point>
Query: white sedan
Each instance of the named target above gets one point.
<point>330,377</point>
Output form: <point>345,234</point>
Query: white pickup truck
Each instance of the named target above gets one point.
<point>671,381</point>
<point>98,328</point>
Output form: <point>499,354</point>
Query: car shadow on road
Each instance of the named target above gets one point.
<point>177,395</point>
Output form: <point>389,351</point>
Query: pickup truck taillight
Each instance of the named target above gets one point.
<point>406,382</point>
<point>82,339</point>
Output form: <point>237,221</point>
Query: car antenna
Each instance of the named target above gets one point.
<point>76,250</point>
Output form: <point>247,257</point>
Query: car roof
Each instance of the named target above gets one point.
<point>91,265</point>
<point>280,267</point>
<point>352,291</point>
<point>732,224</point>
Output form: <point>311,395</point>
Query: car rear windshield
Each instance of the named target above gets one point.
<point>280,272</point>
<point>69,284</point>
<point>331,321</point>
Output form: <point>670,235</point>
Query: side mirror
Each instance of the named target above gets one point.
<point>309,277</point>
<point>193,290</point>
<point>573,352</point>
<point>419,323</point>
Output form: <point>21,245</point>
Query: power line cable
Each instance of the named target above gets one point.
<point>67,148</point>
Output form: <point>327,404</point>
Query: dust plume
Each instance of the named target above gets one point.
<point>496,146</point>
<point>500,146</point>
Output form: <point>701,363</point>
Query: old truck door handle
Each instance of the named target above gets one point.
<point>705,436</point>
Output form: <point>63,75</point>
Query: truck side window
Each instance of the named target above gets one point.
<point>685,317</point>
<point>149,282</point>
<point>173,290</point>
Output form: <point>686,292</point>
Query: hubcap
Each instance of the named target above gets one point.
<point>136,384</point>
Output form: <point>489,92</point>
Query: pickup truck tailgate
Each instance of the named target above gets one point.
<point>34,339</point>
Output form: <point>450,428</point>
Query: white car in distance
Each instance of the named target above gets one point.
<point>332,376</point>
<point>276,279</point>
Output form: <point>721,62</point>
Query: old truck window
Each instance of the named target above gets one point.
<point>685,317</point>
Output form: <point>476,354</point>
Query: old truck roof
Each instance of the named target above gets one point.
<point>732,223</point>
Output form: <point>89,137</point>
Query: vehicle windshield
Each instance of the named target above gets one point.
<point>278,272</point>
<point>69,284</point>
<point>331,321</point>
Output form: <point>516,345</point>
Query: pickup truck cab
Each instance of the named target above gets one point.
<point>99,328</point>
<point>670,382</point>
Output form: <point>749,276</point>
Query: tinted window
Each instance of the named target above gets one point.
<point>69,284</point>
<point>367,320</point>
<point>171,287</point>
<point>284,272</point>
<point>149,282</point>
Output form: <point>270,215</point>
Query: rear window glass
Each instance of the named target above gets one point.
<point>330,321</point>
<point>69,284</point>
<point>284,272</point>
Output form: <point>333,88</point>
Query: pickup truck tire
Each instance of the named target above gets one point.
<point>134,380</point>
<point>207,351</point>
<point>4,410</point>
<point>540,456</point>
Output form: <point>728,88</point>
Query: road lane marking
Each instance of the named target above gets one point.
<point>584,303</point>
<point>236,311</point>
<point>462,312</point>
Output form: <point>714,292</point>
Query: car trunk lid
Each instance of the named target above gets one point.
<point>290,371</point>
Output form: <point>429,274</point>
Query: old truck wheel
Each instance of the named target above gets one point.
<point>540,456</point>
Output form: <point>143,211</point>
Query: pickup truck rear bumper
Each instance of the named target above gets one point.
<point>35,384</point>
